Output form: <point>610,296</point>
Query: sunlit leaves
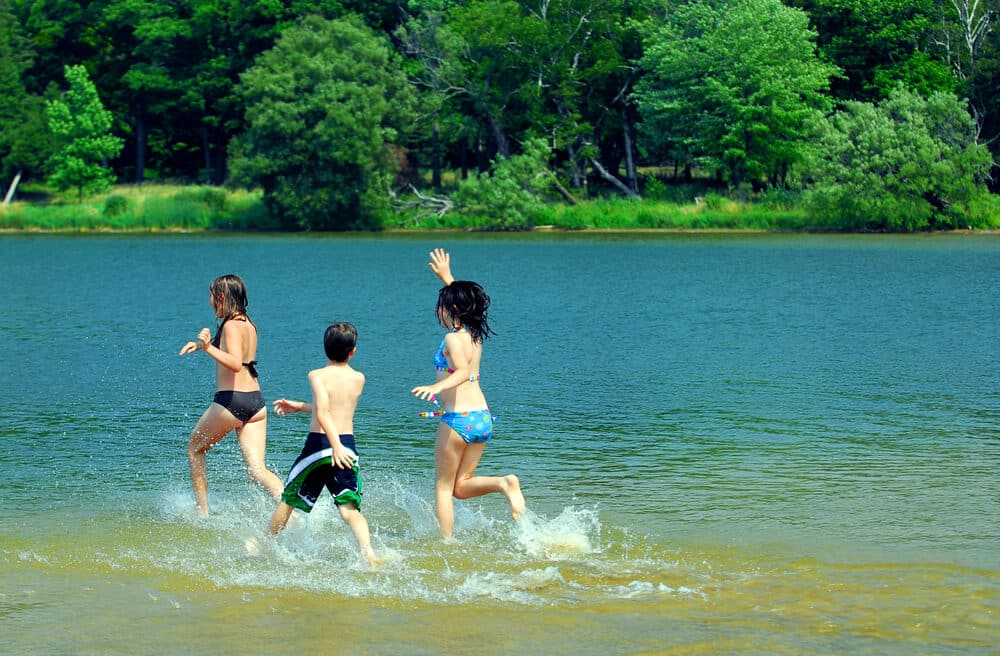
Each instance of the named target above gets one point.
<point>83,129</point>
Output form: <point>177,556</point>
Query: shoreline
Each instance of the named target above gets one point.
<point>471,231</point>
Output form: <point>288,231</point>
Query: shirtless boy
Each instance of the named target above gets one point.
<point>329,457</point>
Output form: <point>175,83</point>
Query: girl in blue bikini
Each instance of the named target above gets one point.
<point>466,422</point>
<point>238,404</point>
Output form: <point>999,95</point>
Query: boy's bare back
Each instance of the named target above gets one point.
<point>336,388</point>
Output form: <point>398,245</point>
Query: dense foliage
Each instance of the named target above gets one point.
<point>341,109</point>
<point>736,87</point>
<point>905,163</point>
<point>323,107</point>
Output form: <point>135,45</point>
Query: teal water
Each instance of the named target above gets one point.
<point>770,444</point>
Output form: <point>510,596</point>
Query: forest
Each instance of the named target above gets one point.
<point>343,114</point>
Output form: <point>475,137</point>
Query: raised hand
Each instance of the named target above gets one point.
<point>440,264</point>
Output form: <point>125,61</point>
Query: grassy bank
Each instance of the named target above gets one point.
<point>153,208</point>
<point>711,212</point>
<point>146,208</point>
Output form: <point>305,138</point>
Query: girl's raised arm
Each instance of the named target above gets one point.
<point>440,264</point>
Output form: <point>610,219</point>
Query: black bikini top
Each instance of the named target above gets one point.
<point>217,341</point>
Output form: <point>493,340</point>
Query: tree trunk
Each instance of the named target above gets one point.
<point>206,147</point>
<point>221,163</point>
<point>140,148</point>
<point>12,189</point>
<point>630,174</point>
<point>621,186</point>
<point>436,156</point>
<point>576,180</point>
<point>564,192</point>
<point>503,146</point>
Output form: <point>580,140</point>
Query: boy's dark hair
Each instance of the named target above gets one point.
<point>339,340</point>
<point>467,301</point>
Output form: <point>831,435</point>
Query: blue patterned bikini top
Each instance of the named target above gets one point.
<point>441,362</point>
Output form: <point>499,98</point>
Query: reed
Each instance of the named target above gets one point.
<point>146,208</point>
<point>711,212</point>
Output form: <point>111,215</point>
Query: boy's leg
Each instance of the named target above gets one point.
<point>280,518</point>
<point>359,525</point>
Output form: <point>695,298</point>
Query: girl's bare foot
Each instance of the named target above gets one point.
<point>512,488</point>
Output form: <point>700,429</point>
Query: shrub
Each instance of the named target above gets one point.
<point>908,163</point>
<point>115,205</point>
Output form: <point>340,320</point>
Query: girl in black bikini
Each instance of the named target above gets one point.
<point>238,403</point>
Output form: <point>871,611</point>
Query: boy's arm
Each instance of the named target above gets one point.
<point>342,458</point>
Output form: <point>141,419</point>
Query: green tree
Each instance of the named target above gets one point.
<point>512,70</point>
<point>879,43</point>
<point>736,87</point>
<point>324,108</point>
<point>24,140</point>
<point>83,130</point>
<point>907,163</point>
<point>511,192</point>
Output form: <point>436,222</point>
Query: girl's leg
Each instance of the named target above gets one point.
<point>253,444</point>
<point>448,448</point>
<point>467,485</point>
<point>213,425</point>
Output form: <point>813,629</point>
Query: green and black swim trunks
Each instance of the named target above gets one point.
<point>313,470</point>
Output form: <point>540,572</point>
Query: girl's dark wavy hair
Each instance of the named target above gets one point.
<point>468,302</point>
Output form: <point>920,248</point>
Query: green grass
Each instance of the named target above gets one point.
<point>147,208</point>
<point>708,213</point>
<point>155,208</point>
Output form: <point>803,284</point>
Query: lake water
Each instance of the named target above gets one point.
<point>751,444</point>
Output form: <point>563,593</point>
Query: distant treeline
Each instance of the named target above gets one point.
<point>870,114</point>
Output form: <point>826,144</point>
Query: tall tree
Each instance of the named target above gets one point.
<point>963,38</point>
<point>737,87</point>
<point>61,31</point>
<point>879,43</point>
<point>325,107</point>
<point>558,69</point>
<point>83,129</point>
<point>24,140</point>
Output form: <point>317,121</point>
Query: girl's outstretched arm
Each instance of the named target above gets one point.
<point>440,264</point>
<point>204,339</point>
<point>284,407</point>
